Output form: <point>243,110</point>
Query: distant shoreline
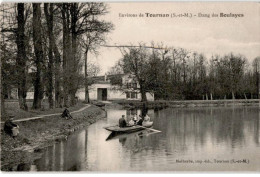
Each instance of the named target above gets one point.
<point>131,104</point>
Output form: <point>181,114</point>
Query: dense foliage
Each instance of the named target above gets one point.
<point>179,74</point>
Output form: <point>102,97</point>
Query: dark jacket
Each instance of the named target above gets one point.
<point>66,113</point>
<point>8,126</point>
<point>140,122</point>
<point>122,122</point>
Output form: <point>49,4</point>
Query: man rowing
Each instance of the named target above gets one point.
<point>122,122</point>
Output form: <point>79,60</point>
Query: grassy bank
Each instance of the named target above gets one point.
<point>159,104</point>
<point>12,108</point>
<point>35,135</point>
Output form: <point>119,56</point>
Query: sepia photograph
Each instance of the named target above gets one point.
<point>130,87</point>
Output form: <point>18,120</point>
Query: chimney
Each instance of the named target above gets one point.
<point>105,78</point>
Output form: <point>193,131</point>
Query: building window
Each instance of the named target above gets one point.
<point>135,85</point>
<point>131,85</point>
<point>132,95</point>
<point>127,94</point>
<point>131,112</point>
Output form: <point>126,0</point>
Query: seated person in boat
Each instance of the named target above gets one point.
<point>140,121</point>
<point>122,122</point>
<point>66,114</point>
<point>11,128</point>
<point>131,122</point>
<point>135,118</point>
<point>147,118</point>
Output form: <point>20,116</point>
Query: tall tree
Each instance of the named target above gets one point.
<point>135,61</point>
<point>80,19</point>
<point>39,57</point>
<point>48,11</point>
<point>57,55</point>
<point>91,40</point>
<point>2,111</point>
<point>236,71</point>
<point>21,57</point>
<point>256,67</point>
<point>74,10</point>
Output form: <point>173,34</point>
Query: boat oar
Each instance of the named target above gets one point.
<point>149,128</point>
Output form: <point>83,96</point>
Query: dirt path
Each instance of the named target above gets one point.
<point>48,115</point>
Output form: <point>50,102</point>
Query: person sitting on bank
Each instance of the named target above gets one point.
<point>122,122</point>
<point>11,128</point>
<point>66,114</point>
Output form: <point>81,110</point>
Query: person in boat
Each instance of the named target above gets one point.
<point>140,121</point>
<point>66,114</point>
<point>147,118</point>
<point>135,118</point>
<point>11,128</point>
<point>131,122</point>
<point>122,122</point>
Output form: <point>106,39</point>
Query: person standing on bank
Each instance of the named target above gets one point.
<point>122,122</point>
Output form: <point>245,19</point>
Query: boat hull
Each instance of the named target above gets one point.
<point>131,129</point>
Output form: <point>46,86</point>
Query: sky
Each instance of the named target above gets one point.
<point>210,36</point>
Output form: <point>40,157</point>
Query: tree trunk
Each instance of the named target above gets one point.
<point>57,70</point>
<point>38,50</point>
<point>2,111</point>
<point>74,65</point>
<point>21,58</point>
<point>58,100</point>
<point>86,77</point>
<point>143,93</point>
<point>245,96</point>
<point>49,19</point>
<point>257,78</point>
<point>211,96</point>
<point>233,96</point>
<point>66,52</point>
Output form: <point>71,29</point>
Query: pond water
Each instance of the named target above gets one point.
<point>191,139</point>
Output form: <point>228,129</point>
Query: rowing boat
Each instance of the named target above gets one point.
<point>129,129</point>
<point>116,135</point>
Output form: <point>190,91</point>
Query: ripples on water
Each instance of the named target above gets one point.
<point>187,134</point>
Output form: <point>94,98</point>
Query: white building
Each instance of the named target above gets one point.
<point>102,88</point>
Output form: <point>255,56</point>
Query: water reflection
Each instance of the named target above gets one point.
<point>64,156</point>
<point>188,133</point>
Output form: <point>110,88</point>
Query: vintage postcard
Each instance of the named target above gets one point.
<point>130,86</point>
